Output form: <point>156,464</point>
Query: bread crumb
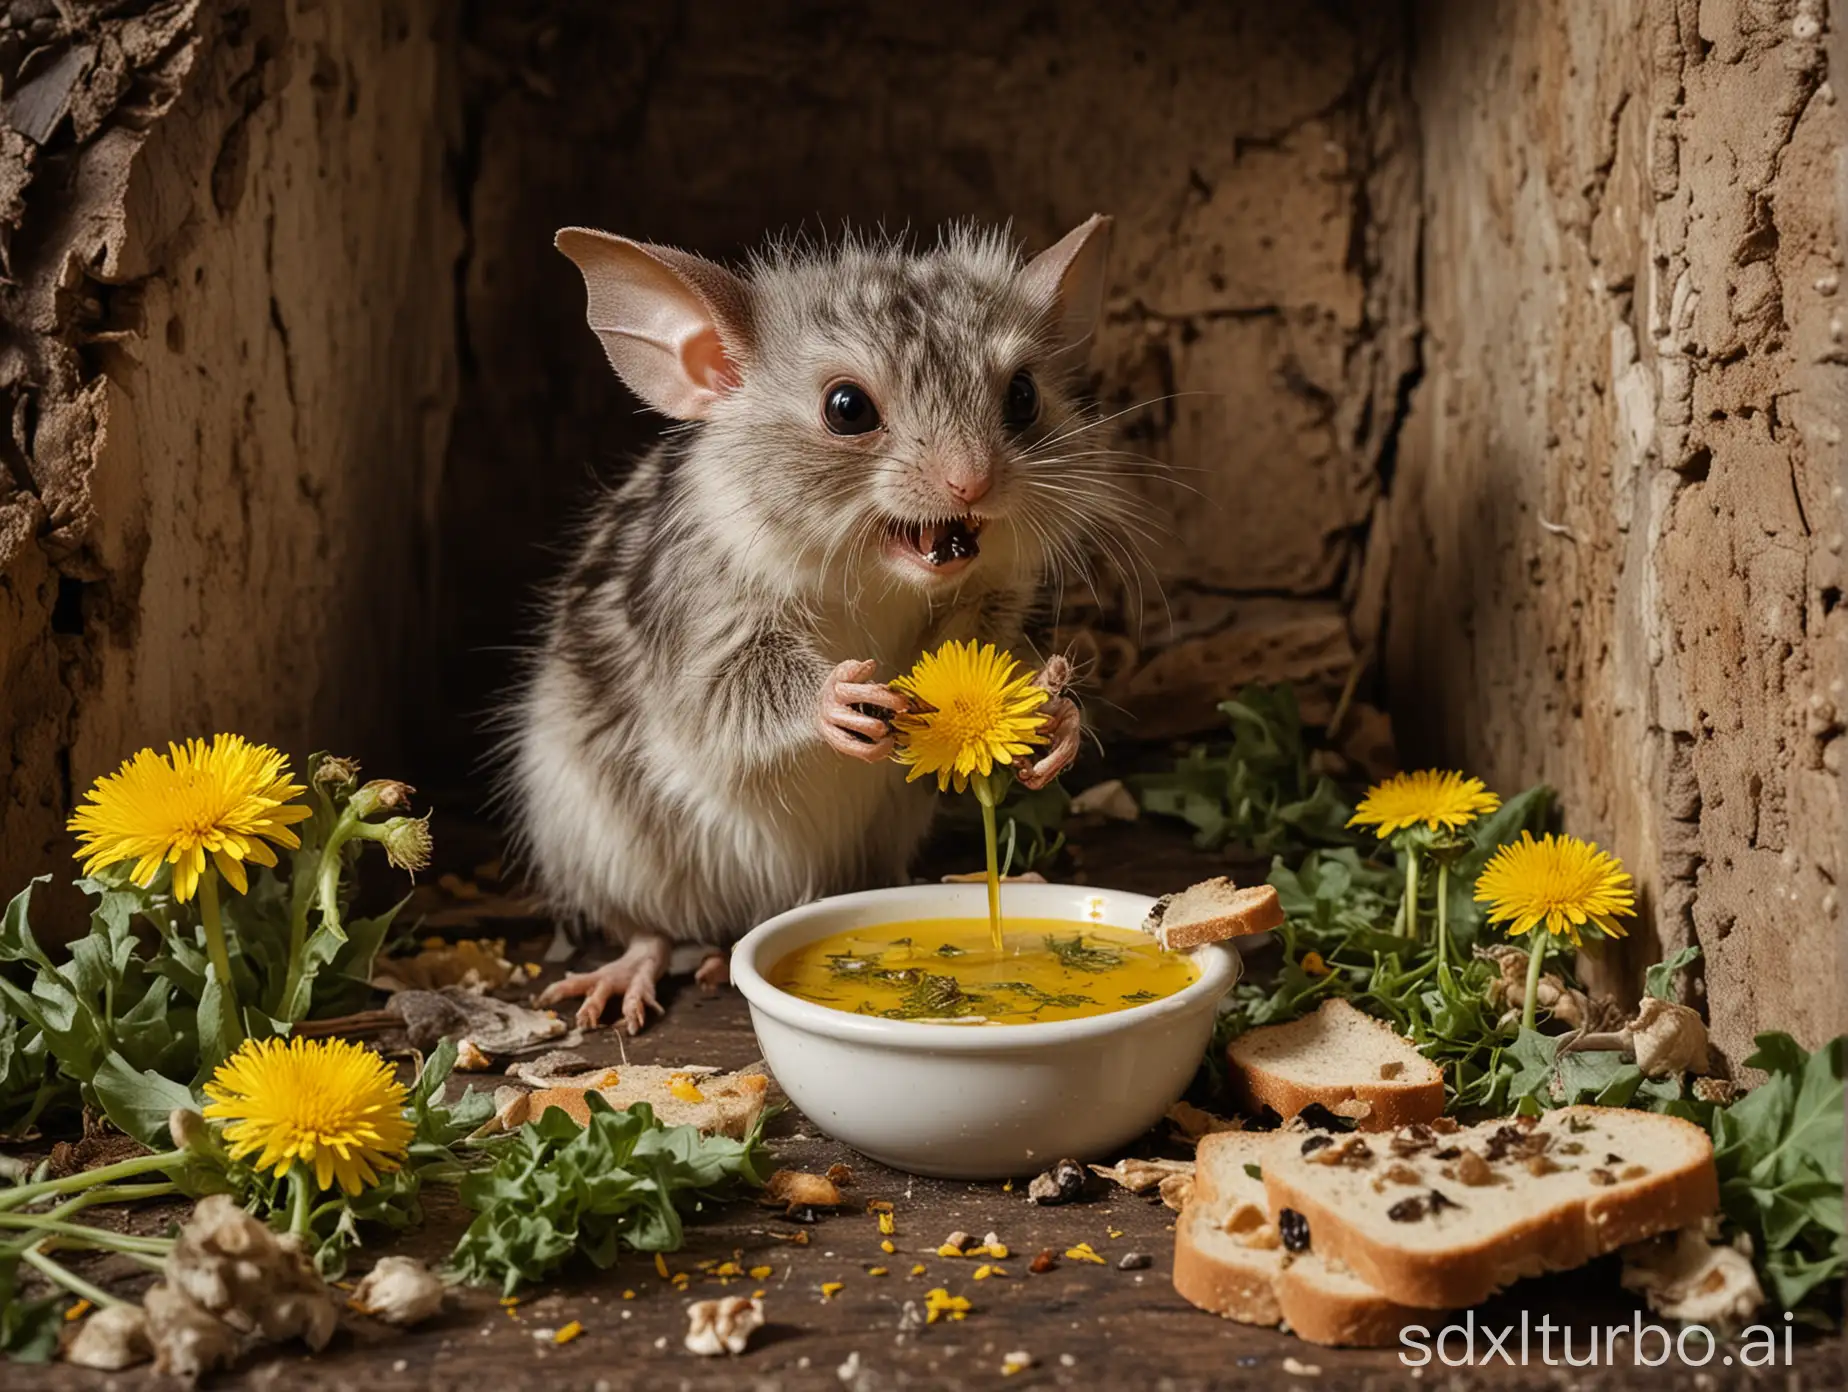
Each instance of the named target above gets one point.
<point>1016,1362</point>
<point>1295,1369</point>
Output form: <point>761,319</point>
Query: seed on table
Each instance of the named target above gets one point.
<point>1134,1261</point>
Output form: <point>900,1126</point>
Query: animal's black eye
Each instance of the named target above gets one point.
<point>848,410</point>
<point>1020,407</point>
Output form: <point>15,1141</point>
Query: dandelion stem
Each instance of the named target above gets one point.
<point>1443,918</point>
<point>75,1284</point>
<point>215,946</point>
<point>70,1184</point>
<point>985,796</point>
<point>100,1237</point>
<point>108,1194</point>
<point>301,1201</point>
<point>1536,955</point>
<point>1411,893</point>
<point>325,895</point>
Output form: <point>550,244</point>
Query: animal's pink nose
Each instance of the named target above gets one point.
<point>970,487</point>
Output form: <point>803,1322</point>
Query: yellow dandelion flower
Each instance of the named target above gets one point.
<point>1437,799</point>
<point>972,708</point>
<point>331,1104</point>
<point>1557,881</point>
<point>227,799</point>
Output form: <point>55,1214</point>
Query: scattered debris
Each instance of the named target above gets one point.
<point>1018,1361</point>
<point>1135,1261</point>
<point>114,1338</point>
<point>842,1175</point>
<point>455,1012</point>
<point>1191,1122</point>
<point>716,1327</point>
<point>1668,1039</point>
<point>1176,1189</point>
<point>187,1341</point>
<point>939,1302</point>
<point>1109,799</point>
<point>1570,1006</point>
<point>1719,1091</point>
<point>1044,1262</point>
<point>797,1189</point>
<point>1295,1369</point>
<point>1138,1176</point>
<point>1083,1252</point>
<point>473,964</point>
<point>1061,1184</point>
<point>470,1058</point>
<point>1683,1276</point>
<point>399,1290</point>
<point>727,1104</point>
<point>232,1266</point>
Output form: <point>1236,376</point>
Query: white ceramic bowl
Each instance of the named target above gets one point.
<point>968,1101</point>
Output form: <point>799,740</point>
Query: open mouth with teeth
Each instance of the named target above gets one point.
<point>943,547</point>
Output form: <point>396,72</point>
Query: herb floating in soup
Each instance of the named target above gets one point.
<point>945,970</point>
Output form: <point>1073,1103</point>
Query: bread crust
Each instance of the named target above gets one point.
<point>1273,1291</point>
<point>1392,1103</point>
<point>1560,1239</point>
<point>1248,1294</point>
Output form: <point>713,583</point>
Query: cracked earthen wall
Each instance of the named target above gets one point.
<point>227,370</point>
<point>1617,512</point>
<point>1259,162</point>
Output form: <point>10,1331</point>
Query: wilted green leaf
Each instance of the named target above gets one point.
<point>137,1101</point>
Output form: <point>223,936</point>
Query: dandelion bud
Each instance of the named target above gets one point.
<point>382,795</point>
<point>190,1132</point>
<point>334,774</point>
<point>407,843</point>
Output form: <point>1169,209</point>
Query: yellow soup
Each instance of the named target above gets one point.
<point>944,970</point>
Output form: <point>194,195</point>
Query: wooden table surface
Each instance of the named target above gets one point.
<point>1084,1325</point>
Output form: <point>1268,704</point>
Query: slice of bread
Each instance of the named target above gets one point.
<point>1339,1058</point>
<point>1229,1259</point>
<point>1213,911</point>
<point>1443,1220</point>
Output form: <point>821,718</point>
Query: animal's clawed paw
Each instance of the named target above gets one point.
<point>633,975</point>
<point>1061,722</point>
<point>845,723</point>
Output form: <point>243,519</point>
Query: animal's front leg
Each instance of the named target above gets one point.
<point>714,970</point>
<point>642,964</point>
<point>1060,721</point>
<point>849,730</point>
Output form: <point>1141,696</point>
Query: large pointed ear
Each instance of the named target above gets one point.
<point>1071,275</point>
<point>675,326</point>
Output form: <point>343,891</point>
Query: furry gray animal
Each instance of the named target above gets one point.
<point>883,449</point>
